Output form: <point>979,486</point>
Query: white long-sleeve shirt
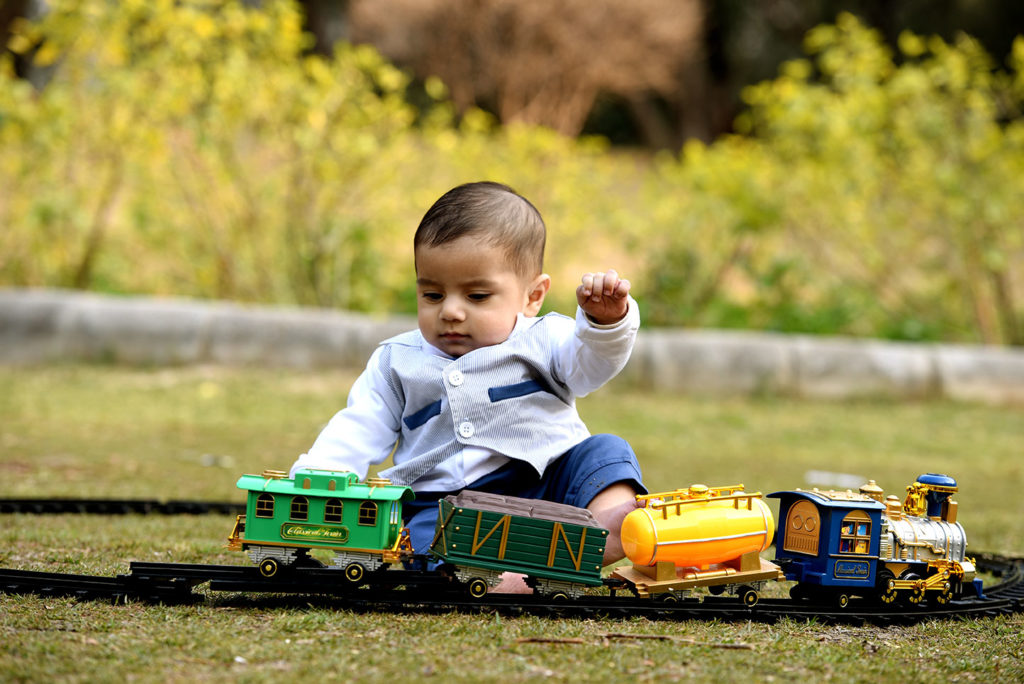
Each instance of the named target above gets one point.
<point>463,418</point>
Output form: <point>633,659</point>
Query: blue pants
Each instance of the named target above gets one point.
<point>575,478</point>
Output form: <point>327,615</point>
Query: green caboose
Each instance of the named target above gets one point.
<point>560,548</point>
<point>361,522</point>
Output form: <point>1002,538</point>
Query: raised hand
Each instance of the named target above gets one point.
<point>603,296</point>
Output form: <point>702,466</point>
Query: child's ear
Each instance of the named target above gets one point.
<point>536,293</point>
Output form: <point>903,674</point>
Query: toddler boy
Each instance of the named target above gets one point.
<point>482,395</point>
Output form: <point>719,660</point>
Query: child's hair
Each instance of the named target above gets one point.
<point>493,212</point>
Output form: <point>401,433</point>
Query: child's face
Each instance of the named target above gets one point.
<point>468,296</point>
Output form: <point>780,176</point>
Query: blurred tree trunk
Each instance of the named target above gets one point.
<point>652,124</point>
<point>538,62</point>
<point>328,21</point>
<point>10,12</point>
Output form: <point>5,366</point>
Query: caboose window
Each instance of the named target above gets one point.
<point>368,513</point>
<point>855,533</point>
<point>300,508</point>
<point>265,506</point>
<point>333,510</point>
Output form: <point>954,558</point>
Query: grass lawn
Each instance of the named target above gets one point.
<point>93,431</point>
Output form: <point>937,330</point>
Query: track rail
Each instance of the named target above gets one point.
<point>409,590</point>
<point>118,507</point>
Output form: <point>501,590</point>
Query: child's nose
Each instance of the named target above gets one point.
<point>452,310</point>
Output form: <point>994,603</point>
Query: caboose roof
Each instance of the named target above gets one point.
<point>831,498</point>
<point>345,486</point>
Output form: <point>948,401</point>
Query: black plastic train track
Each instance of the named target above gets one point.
<point>119,507</point>
<point>411,590</point>
<point>408,590</point>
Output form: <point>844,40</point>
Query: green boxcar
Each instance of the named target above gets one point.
<point>319,509</point>
<point>559,547</point>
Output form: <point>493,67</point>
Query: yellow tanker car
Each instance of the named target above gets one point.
<point>699,537</point>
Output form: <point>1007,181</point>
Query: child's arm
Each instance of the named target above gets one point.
<point>599,345</point>
<point>361,434</point>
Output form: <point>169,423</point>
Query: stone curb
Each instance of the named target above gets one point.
<point>38,326</point>
<point>51,325</point>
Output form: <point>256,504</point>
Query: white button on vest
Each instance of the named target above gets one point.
<point>466,430</point>
<point>455,378</point>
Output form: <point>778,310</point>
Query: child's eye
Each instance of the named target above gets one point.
<point>479,296</point>
<point>432,296</point>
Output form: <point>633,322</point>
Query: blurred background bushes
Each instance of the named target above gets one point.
<point>873,187</point>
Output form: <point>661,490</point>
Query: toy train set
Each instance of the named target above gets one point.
<point>693,552</point>
<point>835,545</point>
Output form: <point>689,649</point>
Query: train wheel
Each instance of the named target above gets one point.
<point>560,596</point>
<point>668,597</point>
<point>269,567</point>
<point>716,589</point>
<point>916,595</point>
<point>354,572</point>
<point>944,595</point>
<point>886,587</point>
<point>477,588</point>
<point>749,596</point>
<point>842,600</point>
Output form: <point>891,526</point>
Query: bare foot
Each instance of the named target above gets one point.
<point>609,507</point>
<point>511,583</point>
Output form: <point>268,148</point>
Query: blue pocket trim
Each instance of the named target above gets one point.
<point>520,389</point>
<point>414,420</point>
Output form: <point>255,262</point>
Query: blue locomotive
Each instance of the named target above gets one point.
<point>835,545</point>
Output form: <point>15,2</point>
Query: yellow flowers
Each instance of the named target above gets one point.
<point>196,148</point>
<point>882,194</point>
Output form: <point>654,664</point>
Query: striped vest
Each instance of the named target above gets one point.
<point>504,397</point>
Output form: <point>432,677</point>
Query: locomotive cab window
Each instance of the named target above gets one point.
<point>855,533</point>
<point>333,510</point>
<point>368,513</point>
<point>265,506</point>
<point>300,508</point>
